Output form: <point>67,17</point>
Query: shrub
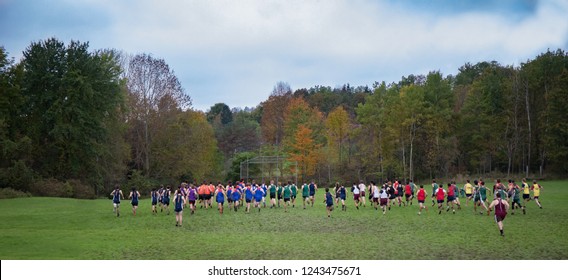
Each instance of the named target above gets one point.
<point>12,193</point>
<point>51,187</point>
<point>81,190</point>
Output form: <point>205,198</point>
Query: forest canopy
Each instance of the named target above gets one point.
<point>74,122</point>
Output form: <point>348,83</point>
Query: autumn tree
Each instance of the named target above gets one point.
<point>154,90</point>
<point>337,125</point>
<point>305,151</point>
<point>273,109</point>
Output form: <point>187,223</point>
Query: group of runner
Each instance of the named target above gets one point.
<point>389,194</point>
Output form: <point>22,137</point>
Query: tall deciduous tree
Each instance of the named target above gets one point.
<point>154,90</point>
<point>72,98</point>
<point>273,109</point>
<point>338,127</point>
<point>305,151</point>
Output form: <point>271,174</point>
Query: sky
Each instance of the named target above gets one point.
<point>235,52</point>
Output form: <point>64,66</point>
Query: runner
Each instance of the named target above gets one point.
<point>191,198</point>
<point>154,197</point>
<point>392,194</point>
<point>294,190</point>
<point>273,195</point>
<point>166,199</point>
<point>202,197</point>
<point>457,195</point>
<point>279,190</point>
<point>440,195</point>
<point>236,197</point>
<point>134,196</point>
<point>451,198</point>
<point>160,195</point>
<point>356,193</point>
<point>305,193</point>
<point>400,193</point>
<point>313,188</point>
<point>342,196</point>
<point>499,187</point>
<point>248,197</point>
<point>510,192</point>
<point>362,189</point>
<point>434,191</point>
<point>220,198</point>
<point>500,207</point>
<point>408,194</point>
<point>265,191</point>
<point>211,193</point>
<point>336,191</point>
<point>536,193</point>
<point>328,202</point>
<point>421,196</point>
<point>179,201</point>
<point>413,189</point>
<point>116,196</point>
<point>526,191</point>
<point>468,192</point>
<point>286,194</point>
<point>516,199</point>
<point>259,194</point>
<point>482,197</point>
<point>375,191</point>
<point>384,199</point>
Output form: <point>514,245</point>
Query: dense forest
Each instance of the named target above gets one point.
<point>74,122</point>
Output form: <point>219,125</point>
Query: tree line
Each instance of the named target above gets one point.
<point>74,122</point>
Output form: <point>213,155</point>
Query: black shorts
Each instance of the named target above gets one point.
<point>286,199</point>
<point>407,195</point>
<point>272,195</point>
<point>468,195</point>
<point>440,201</point>
<point>248,200</point>
<point>526,196</point>
<point>451,198</point>
<point>134,203</point>
<point>420,201</point>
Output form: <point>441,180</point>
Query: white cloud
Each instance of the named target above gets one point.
<point>235,51</point>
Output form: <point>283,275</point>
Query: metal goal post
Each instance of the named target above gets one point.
<point>266,168</point>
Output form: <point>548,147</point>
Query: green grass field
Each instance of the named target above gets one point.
<point>60,229</point>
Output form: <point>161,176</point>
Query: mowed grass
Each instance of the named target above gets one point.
<point>57,228</point>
